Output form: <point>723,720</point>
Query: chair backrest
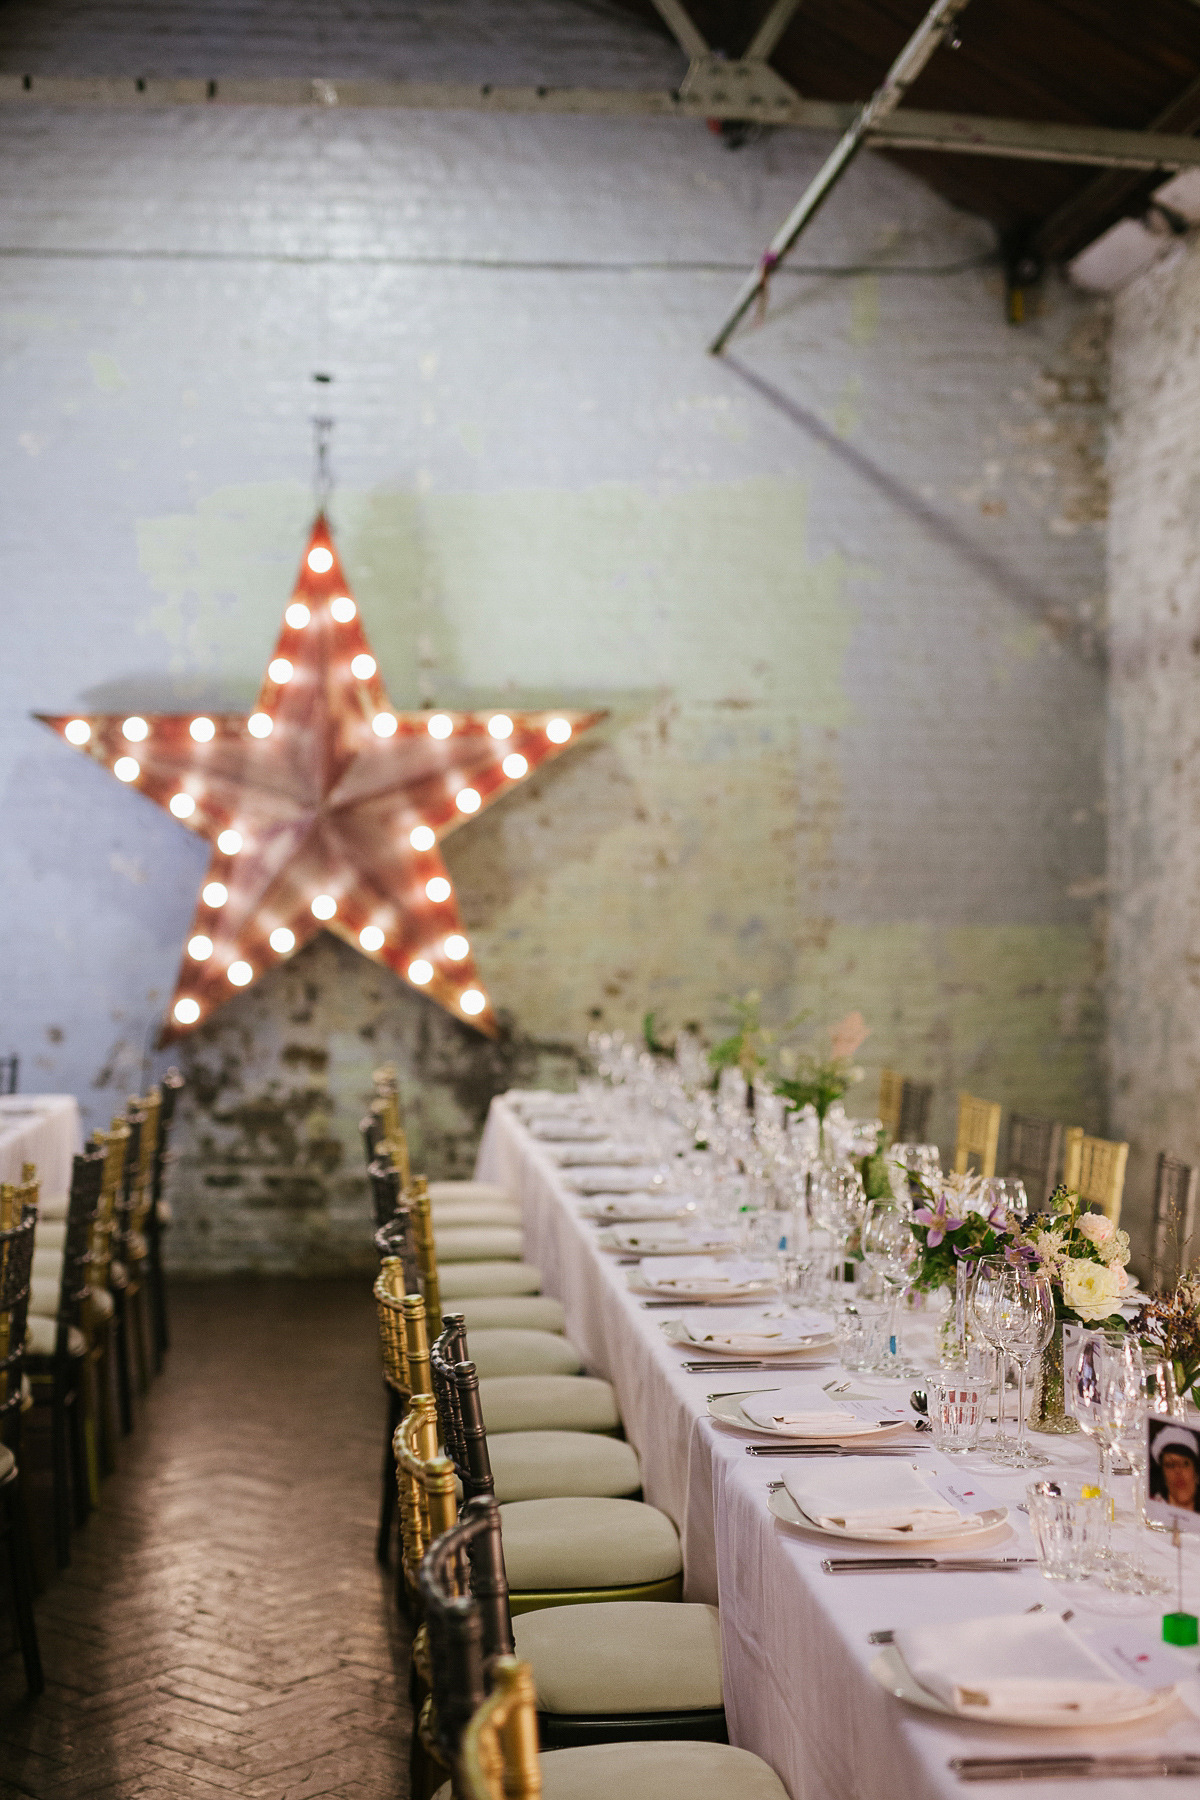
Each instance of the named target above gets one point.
<point>446,1352</point>
<point>1033,1153</point>
<point>16,1265</point>
<point>115,1145</point>
<point>390,1289</point>
<point>384,1179</point>
<point>149,1111</point>
<point>9,1069</point>
<point>169,1091</point>
<point>1094,1168</point>
<point>87,1176</point>
<point>15,1196</point>
<point>978,1134</point>
<point>891,1097</point>
<point>371,1128</point>
<point>464,1598</point>
<point>425,1484</point>
<point>126,1198</point>
<point>387,1104</point>
<point>915,1103</point>
<point>422,1223</point>
<point>499,1755</point>
<point>1175,1185</point>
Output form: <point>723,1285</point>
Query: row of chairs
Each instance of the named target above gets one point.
<point>562,1560</point>
<point>1042,1152</point>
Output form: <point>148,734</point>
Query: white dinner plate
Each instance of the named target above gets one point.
<point>566,1131</point>
<point>782,1506</point>
<point>648,1241</point>
<point>674,1332</point>
<point>893,1673</point>
<point>727,1409</point>
<point>636,1209</point>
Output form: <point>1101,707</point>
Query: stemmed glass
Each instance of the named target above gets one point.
<point>1125,1400</point>
<point>1023,1320</point>
<point>983,1299</point>
<point>890,1249</point>
<point>837,1205</point>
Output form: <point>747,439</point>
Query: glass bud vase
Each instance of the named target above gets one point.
<point>1048,1412</point>
<point>954,1333</point>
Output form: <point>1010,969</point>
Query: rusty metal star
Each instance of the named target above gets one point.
<point>325,807</point>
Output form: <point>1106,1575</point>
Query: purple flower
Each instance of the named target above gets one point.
<point>938,1222</point>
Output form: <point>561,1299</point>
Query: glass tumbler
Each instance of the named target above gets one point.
<point>861,1334</point>
<point>956,1412</point>
<point>1067,1534</point>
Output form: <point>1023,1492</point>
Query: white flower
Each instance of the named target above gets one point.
<point>1049,1247</point>
<point>1089,1288</point>
<point>1095,1227</point>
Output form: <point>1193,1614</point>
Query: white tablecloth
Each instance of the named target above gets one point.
<point>42,1129</point>
<point>798,1690</point>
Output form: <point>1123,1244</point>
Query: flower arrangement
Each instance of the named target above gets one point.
<point>957,1223</point>
<point>1170,1324</point>
<point>1084,1255</point>
<point>748,1046</point>
<point>818,1082</point>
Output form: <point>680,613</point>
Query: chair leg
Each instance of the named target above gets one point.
<point>124,1385</point>
<point>138,1318</point>
<point>20,1565</point>
<point>61,1472</point>
<point>387,1493</point>
<point>105,1420</point>
<point>81,1487</point>
<point>158,1292</point>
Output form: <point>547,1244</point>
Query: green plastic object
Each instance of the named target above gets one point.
<point>1182,1629</point>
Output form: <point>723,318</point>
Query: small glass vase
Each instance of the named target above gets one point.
<point>1048,1412</point>
<point>954,1332</point>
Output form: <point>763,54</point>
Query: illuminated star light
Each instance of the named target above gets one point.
<point>347,841</point>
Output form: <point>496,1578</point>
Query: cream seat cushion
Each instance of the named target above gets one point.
<point>468,1190</point>
<point>626,1656</point>
<point>40,1334</point>
<point>547,1403</point>
<point>476,1212</point>
<point>517,1312</point>
<point>504,1351</point>
<point>463,1279</point>
<point>657,1771</point>
<point>52,1206</point>
<point>50,1235</point>
<point>546,1465</point>
<point>477,1243</point>
<point>44,1293</point>
<point>587,1543</point>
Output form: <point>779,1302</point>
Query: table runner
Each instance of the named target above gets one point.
<point>798,1691</point>
<point>43,1129</point>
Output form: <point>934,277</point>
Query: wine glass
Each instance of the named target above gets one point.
<point>837,1205</point>
<point>1125,1394</point>
<point>983,1299</point>
<point>1023,1321</point>
<point>890,1249</point>
<point>1083,1393</point>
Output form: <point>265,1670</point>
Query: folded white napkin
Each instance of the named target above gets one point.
<point>565,1131</point>
<point>702,1274</point>
<point>887,1499</point>
<point>670,1237</point>
<point>599,1180</point>
<point>1024,1668</point>
<point>633,1209</point>
<point>755,1328</point>
<point>603,1154</point>
<point>804,1412</point>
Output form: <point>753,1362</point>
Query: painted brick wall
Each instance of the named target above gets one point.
<point>837,594</point>
<point>1153,776</point>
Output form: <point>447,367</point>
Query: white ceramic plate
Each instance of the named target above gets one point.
<point>728,1410</point>
<point>637,1209</point>
<point>674,1332</point>
<point>716,1296</point>
<point>647,1241</point>
<point>782,1506</point>
<point>892,1672</point>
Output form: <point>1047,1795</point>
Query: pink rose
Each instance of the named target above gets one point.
<point>1095,1227</point>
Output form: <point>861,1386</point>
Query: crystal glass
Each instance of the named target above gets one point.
<point>1124,1409</point>
<point>956,1408</point>
<point>1067,1534</point>
<point>890,1250</point>
<point>1007,1191</point>
<point>1022,1318</point>
<point>982,1299</point>
<point>860,1331</point>
<point>837,1204</point>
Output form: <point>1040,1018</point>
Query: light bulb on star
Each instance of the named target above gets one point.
<point>340,801</point>
<point>200,948</point>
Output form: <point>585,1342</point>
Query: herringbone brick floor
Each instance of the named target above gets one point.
<point>223,1630</point>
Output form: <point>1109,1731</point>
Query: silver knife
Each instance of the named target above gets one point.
<point>774,1368</point>
<point>819,1448</point>
<point>925,1565</point>
<point>1071,1768</point>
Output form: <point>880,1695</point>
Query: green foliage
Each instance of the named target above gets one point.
<point>652,1041</point>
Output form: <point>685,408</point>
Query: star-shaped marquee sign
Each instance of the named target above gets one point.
<point>325,807</point>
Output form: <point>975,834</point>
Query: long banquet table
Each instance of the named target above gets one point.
<point>798,1687</point>
<point>42,1129</point>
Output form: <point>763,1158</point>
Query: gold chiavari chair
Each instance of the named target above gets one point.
<point>460,1202</point>
<point>1094,1168</point>
<point>978,1134</point>
<point>904,1107</point>
<point>99,1311</point>
<point>1034,1153</point>
<point>16,1265</point>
